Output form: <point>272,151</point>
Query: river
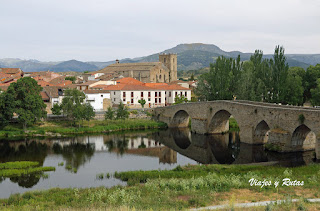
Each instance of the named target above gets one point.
<point>85,157</point>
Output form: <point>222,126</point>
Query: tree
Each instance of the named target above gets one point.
<point>71,78</point>
<point>56,109</point>
<point>109,114</point>
<point>315,94</point>
<point>72,97</point>
<point>279,74</point>
<point>74,107</point>
<point>122,112</point>
<point>142,102</point>
<point>180,99</point>
<point>7,104</point>
<point>310,80</point>
<point>192,77</point>
<point>294,89</point>
<point>29,105</point>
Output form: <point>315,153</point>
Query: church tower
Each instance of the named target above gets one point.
<point>170,61</point>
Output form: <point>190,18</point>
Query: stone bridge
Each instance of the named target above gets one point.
<point>287,128</point>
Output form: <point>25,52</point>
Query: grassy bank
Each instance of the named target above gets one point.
<point>233,125</point>
<point>182,188</point>
<point>66,128</point>
<point>18,168</point>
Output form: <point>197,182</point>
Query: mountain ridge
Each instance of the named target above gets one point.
<point>191,56</point>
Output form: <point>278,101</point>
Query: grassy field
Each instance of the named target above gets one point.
<point>182,188</point>
<point>65,128</point>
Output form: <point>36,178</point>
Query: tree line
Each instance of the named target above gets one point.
<point>260,79</point>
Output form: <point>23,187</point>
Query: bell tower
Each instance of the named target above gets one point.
<point>170,61</point>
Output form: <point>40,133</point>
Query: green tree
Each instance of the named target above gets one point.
<point>71,78</point>
<point>72,97</point>
<point>83,112</point>
<point>294,89</point>
<point>7,104</point>
<point>109,114</point>
<point>142,102</point>
<point>122,112</point>
<point>280,69</point>
<point>29,105</point>
<point>315,94</point>
<point>310,80</point>
<point>180,99</point>
<point>56,109</point>
<point>192,77</point>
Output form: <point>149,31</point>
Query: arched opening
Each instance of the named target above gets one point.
<point>303,139</point>
<point>261,133</point>
<point>181,137</point>
<point>222,122</point>
<point>180,119</point>
<point>225,148</point>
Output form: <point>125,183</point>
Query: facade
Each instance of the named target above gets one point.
<point>129,91</point>
<point>98,99</point>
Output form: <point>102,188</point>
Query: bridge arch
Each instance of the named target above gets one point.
<point>182,138</point>
<point>303,138</point>
<point>219,123</point>
<point>261,133</point>
<point>180,119</point>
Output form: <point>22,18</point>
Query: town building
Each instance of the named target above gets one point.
<point>149,72</point>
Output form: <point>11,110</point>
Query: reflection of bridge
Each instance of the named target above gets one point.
<point>292,128</point>
<point>224,149</point>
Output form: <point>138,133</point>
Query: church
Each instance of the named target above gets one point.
<point>164,71</point>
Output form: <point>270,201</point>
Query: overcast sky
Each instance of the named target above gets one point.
<point>103,30</point>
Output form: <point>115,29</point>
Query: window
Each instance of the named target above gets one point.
<point>101,95</point>
<point>156,94</point>
<point>149,99</point>
<point>131,101</point>
<point>169,94</point>
<point>181,94</point>
<point>124,94</point>
<point>114,99</point>
<point>159,100</point>
<point>124,99</point>
<point>164,60</point>
<point>176,94</point>
<point>185,94</point>
<point>141,94</point>
<point>149,94</point>
<point>131,94</point>
<point>159,94</point>
<point>114,93</point>
<point>156,100</point>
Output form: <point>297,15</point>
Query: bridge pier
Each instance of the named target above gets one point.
<point>318,148</point>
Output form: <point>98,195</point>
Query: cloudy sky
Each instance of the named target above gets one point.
<point>103,30</point>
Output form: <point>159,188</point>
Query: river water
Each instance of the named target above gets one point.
<point>85,157</point>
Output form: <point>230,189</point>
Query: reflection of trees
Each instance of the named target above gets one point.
<point>120,144</point>
<point>31,151</point>
<point>75,154</point>
<point>26,181</point>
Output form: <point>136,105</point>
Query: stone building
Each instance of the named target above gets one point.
<point>163,71</point>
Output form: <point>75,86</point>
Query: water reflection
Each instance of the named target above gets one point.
<point>225,149</point>
<point>164,149</point>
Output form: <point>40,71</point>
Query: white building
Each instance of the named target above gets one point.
<point>129,91</point>
<point>97,98</point>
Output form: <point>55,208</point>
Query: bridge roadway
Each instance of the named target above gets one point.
<point>259,123</point>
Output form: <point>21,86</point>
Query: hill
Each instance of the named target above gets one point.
<point>192,56</point>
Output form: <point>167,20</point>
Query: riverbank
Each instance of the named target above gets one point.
<point>66,128</point>
<point>183,188</point>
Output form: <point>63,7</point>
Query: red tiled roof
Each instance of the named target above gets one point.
<point>10,70</point>
<point>129,80</point>
<point>88,91</point>
<point>44,96</point>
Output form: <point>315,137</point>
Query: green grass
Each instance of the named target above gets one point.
<point>19,168</point>
<point>181,188</point>
<point>64,128</point>
<point>233,125</point>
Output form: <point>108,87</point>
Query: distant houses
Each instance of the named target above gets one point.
<point>155,82</point>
